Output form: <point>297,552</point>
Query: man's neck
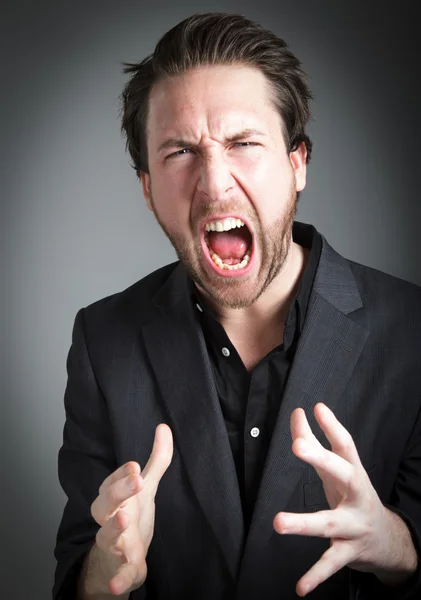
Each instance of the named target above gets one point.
<point>256,330</point>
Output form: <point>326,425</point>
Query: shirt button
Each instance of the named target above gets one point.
<point>225,352</point>
<point>199,307</point>
<point>255,432</point>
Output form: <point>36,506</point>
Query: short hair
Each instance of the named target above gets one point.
<point>216,39</point>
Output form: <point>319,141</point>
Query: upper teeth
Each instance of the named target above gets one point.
<point>225,225</point>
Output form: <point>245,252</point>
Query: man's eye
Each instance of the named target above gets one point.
<point>180,152</point>
<point>244,144</point>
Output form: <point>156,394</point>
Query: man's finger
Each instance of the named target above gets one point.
<point>126,579</point>
<point>128,468</point>
<point>338,523</point>
<point>109,534</point>
<point>111,498</point>
<point>161,455</point>
<point>327,463</point>
<point>299,425</point>
<point>335,558</point>
<point>340,439</point>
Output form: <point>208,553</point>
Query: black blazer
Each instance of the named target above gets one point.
<point>138,358</point>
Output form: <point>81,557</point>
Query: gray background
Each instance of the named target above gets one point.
<point>75,227</point>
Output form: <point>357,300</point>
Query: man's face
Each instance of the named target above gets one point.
<point>217,154</point>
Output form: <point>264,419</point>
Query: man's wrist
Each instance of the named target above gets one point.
<point>401,561</point>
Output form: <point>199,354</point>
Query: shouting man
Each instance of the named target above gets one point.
<point>245,422</point>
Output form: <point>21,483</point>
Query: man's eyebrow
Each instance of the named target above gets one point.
<point>184,143</point>
<point>174,143</point>
<point>244,134</point>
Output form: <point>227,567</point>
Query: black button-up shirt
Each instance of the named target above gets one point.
<point>250,400</point>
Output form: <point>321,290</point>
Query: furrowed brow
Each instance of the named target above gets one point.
<point>246,133</point>
<point>174,143</point>
<point>183,143</point>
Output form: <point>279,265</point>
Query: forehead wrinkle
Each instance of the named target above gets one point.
<point>186,136</point>
<point>181,142</point>
<point>183,123</point>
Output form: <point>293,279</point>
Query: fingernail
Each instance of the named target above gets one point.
<point>132,482</point>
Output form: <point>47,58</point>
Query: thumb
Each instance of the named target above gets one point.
<point>161,456</point>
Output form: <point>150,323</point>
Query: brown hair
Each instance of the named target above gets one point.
<point>217,39</point>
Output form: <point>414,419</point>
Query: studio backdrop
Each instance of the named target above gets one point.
<point>75,227</point>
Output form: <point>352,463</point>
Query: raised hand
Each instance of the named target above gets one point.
<point>364,534</point>
<point>125,509</point>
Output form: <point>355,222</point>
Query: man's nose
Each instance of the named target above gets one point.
<point>215,178</point>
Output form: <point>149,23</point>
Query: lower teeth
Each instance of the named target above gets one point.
<point>218,261</point>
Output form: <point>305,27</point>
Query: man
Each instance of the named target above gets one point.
<point>277,383</point>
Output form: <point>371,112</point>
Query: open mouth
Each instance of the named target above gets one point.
<point>228,245</point>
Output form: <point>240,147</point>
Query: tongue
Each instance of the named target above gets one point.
<point>230,244</point>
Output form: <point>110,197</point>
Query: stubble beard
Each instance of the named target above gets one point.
<point>275,244</point>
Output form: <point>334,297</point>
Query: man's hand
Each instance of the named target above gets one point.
<point>125,509</point>
<point>364,534</point>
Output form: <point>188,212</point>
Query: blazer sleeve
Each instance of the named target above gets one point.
<point>85,459</point>
<point>406,502</point>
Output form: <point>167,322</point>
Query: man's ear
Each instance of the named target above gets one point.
<point>298,160</point>
<point>145,180</point>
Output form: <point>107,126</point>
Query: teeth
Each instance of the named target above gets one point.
<point>218,261</point>
<point>244,262</point>
<point>226,225</point>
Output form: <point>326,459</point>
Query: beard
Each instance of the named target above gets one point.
<point>274,242</point>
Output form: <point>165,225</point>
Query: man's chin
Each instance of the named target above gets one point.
<point>230,294</point>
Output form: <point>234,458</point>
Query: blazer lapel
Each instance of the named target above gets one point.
<point>327,352</point>
<point>177,349</point>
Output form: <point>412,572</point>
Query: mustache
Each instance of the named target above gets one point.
<point>213,210</point>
